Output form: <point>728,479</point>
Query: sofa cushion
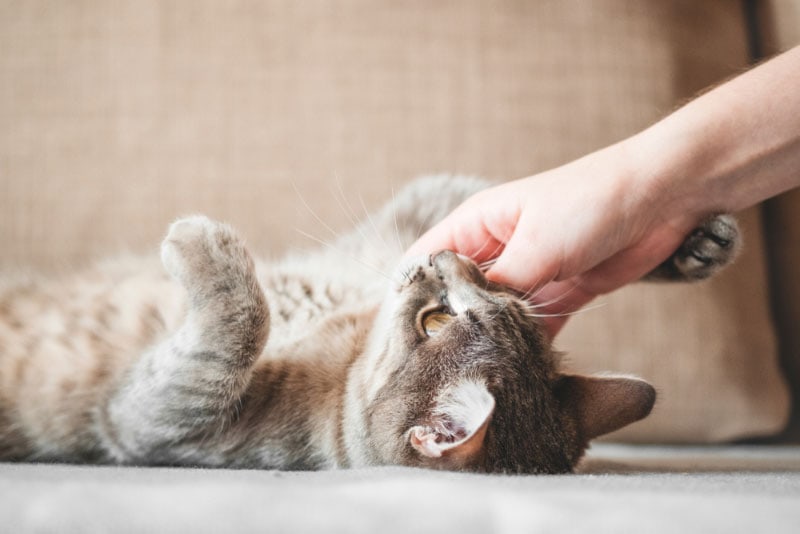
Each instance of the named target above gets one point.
<point>780,30</point>
<point>118,117</point>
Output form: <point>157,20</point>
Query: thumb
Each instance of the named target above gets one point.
<point>464,232</point>
<point>440,237</point>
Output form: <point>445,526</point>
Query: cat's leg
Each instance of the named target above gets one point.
<point>710,247</point>
<point>187,388</point>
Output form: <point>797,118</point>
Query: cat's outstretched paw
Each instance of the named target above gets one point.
<point>206,257</point>
<point>709,248</point>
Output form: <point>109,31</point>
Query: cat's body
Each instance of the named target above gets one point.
<point>317,361</point>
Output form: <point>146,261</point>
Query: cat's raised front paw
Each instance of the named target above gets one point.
<point>205,255</point>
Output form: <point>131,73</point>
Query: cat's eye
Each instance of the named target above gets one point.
<point>433,322</point>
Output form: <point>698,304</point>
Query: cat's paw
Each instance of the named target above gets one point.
<point>228,310</point>
<point>205,256</point>
<point>710,247</point>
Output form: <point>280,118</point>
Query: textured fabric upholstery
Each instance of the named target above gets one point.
<point>779,29</point>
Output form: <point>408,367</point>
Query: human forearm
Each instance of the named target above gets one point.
<point>605,220</point>
<point>730,148</point>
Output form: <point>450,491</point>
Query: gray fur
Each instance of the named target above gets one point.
<point>316,361</point>
<point>708,249</point>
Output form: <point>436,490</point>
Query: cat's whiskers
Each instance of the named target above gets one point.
<point>341,199</point>
<point>531,294</point>
<point>524,297</point>
<point>501,310</point>
<point>565,294</point>
<point>372,223</point>
<point>520,293</point>
<point>486,265</point>
<point>536,289</point>
<point>422,225</point>
<point>396,226</point>
<point>335,235</point>
<point>405,274</point>
<point>566,314</point>
<point>312,212</point>
<point>342,252</point>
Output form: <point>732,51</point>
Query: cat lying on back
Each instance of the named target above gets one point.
<point>309,363</point>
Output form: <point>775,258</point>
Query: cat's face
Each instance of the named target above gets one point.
<point>459,375</point>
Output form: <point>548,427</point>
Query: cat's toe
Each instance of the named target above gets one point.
<point>225,301</point>
<point>198,251</point>
<point>191,229</point>
<point>709,248</point>
<point>183,241</point>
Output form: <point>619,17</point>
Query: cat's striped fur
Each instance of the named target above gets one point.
<point>312,362</point>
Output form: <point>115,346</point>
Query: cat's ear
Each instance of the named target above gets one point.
<point>602,404</point>
<point>456,428</point>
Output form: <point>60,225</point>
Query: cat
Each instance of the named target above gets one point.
<point>317,361</point>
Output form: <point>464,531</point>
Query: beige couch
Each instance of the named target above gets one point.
<point>119,116</point>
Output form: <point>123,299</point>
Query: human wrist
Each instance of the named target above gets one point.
<point>644,192</point>
<point>730,148</point>
<point>681,170</point>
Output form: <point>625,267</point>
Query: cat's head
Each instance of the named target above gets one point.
<point>459,375</point>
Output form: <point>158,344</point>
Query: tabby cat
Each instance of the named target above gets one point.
<point>313,362</point>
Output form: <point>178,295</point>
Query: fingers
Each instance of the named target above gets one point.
<point>464,231</point>
<point>440,237</point>
<point>556,301</point>
<point>632,263</point>
<point>526,263</point>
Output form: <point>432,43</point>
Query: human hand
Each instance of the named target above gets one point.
<point>564,236</point>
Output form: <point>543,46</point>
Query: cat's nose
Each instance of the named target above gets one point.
<point>442,254</point>
<point>444,259</point>
<point>449,257</point>
<point>448,263</point>
<point>459,275</point>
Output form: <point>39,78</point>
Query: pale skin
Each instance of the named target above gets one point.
<point>598,223</point>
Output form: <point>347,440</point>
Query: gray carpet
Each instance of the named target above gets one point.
<point>619,489</point>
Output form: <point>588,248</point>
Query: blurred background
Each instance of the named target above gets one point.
<point>118,116</point>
